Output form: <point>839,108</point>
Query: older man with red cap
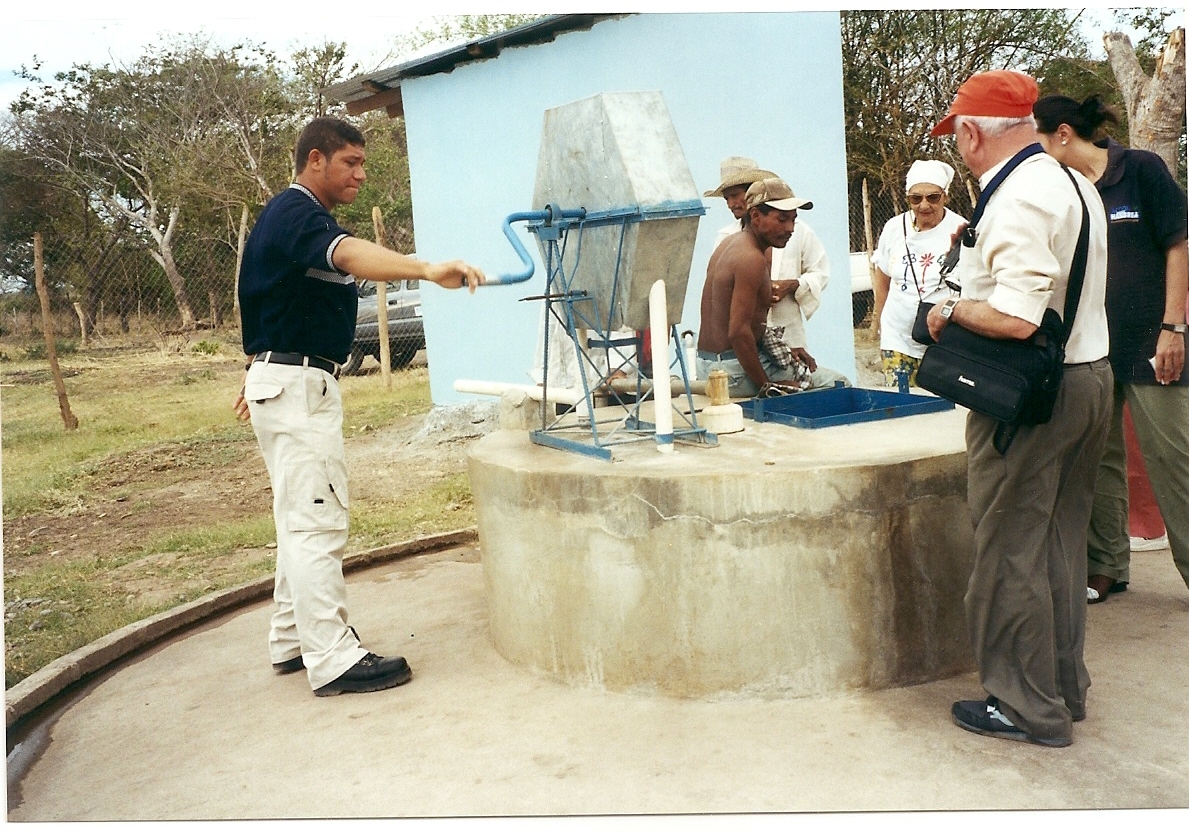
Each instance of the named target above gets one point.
<point>1025,603</point>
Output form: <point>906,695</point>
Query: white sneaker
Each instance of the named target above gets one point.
<point>1149,544</point>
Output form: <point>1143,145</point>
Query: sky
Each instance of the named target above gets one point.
<point>61,33</point>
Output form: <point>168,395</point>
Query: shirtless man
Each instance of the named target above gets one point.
<point>738,294</point>
<point>800,270</point>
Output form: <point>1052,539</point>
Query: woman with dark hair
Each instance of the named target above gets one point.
<point>1147,282</point>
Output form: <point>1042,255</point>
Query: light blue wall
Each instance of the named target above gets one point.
<point>767,86</point>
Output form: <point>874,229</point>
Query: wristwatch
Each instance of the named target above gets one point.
<point>947,308</point>
<point>1181,328</point>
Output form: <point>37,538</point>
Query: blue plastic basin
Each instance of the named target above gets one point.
<point>840,406</point>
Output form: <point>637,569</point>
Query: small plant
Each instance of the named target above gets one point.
<point>205,347</point>
<point>203,375</point>
<point>38,352</point>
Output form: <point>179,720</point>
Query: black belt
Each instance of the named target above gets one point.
<point>296,359</point>
<point>725,355</point>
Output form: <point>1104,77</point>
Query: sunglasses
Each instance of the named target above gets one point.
<point>934,198</point>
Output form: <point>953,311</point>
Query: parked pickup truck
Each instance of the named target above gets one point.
<point>406,329</point>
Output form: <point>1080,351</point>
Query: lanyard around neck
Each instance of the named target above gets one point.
<point>970,234</point>
<point>1004,172</point>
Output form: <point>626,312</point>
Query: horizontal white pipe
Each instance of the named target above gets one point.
<point>563,395</point>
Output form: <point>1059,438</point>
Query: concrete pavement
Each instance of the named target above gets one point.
<point>199,728</point>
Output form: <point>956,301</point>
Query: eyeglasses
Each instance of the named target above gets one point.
<point>934,198</point>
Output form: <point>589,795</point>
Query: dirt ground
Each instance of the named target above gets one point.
<point>178,485</point>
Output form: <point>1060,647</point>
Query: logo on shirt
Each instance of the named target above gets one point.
<point>1124,213</point>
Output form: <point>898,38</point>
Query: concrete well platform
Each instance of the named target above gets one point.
<point>782,563</point>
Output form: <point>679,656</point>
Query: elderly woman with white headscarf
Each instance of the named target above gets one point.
<point>908,267</point>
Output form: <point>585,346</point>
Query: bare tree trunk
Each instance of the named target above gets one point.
<point>216,318</point>
<point>164,257</point>
<point>239,256</point>
<point>82,322</point>
<point>1155,105</point>
<point>47,326</point>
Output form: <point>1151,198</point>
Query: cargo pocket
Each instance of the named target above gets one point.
<point>317,496</point>
<point>258,392</point>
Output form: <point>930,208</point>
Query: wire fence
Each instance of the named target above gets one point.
<point>114,286</point>
<point>102,288</point>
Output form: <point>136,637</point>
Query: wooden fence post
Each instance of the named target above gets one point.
<point>868,237</point>
<point>382,306</point>
<point>82,322</point>
<point>47,325</point>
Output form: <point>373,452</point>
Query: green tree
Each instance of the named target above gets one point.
<point>188,131</point>
<point>445,30</point>
<point>315,68</point>
<point>388,185</point>
<point>902,68</point>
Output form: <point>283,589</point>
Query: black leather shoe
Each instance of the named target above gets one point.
<point>370,673</point>
<point>289,666</point>
<point>984,717</point>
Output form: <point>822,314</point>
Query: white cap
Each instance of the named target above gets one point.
<point>932,171</point>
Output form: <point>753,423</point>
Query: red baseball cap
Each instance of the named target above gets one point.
<point>1000,92</point>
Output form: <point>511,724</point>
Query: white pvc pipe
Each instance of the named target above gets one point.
<point>562,395</point>
<point>662,397</point>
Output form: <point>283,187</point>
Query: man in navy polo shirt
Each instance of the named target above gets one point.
<point>298,301</point>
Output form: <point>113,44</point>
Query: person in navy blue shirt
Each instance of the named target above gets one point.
<point>298,299</point>
<point>1147,284</point>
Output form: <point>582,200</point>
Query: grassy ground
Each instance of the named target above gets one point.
<point>160,496</point>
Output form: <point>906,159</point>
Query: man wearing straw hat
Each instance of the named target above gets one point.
<point>738,293</point>
<point>800,270</point>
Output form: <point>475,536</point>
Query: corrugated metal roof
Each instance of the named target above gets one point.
<point>381,88</point>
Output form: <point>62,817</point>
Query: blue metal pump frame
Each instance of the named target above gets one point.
<point>579,311</point>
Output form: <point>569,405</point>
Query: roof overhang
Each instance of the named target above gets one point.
<point>381,89</point>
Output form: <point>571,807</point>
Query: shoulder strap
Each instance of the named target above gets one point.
<point>1004,172</point>
<point>908,252</point>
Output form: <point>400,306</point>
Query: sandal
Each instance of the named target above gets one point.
<point>1098,587</point>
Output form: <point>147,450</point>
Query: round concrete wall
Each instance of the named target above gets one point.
<point>782,563</point>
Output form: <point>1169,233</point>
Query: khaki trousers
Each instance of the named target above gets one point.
<point>1161,417</point>
<point>1026,600</point>
<point>297,414</point>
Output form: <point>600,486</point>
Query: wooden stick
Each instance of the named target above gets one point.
<point>869,238</point>
<point>382,306</point>
<point>47,326</point>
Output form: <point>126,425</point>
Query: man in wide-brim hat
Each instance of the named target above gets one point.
<point>799,271</point>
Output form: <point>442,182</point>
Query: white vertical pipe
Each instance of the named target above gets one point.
<point>662,395</point>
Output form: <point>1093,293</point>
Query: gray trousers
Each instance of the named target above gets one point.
<point>1161,416</point>
<point>1026,600</point>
